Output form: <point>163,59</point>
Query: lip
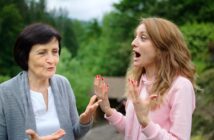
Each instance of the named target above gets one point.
<point>50,68</point>
<point>136,54</point>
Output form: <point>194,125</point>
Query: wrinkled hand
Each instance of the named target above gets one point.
<point>55,136</point>
<point>101,90</point>
<point>141,106</point>
<point>87,116</point>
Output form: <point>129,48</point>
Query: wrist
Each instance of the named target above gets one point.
<point>109,112</point>
<point>144,122</point>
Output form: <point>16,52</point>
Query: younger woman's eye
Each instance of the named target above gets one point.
<point>143,37</point>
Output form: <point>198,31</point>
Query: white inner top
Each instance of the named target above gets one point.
<point>47,121</point>
<point>143,93</point>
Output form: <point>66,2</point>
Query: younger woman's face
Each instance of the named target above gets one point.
<point>143,48</point>
<point>43,59</point>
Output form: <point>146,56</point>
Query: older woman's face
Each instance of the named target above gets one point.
<point>43,59</point>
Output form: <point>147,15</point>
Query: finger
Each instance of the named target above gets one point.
<point>104,89</point>
<point>94,106</point>
<point>102,83</point>
<point>96,80</point>
<point>135,89</point>
<point>92,100</point>
<point>32,134</point>
<point>59,133</point>
<point>88,108</point>
<point>134,94</point>
<point>96,84</point>
<point>99,101</point>
<point>54,136</point>
<point>130,89</point>
<point>150,99</point>
<point>153,97</point>
<point>87,112</point>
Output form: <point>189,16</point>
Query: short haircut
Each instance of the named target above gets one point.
<point>36,33</point>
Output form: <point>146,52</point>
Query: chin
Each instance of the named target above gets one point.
<point>49,75</point>
<point>137,65</point>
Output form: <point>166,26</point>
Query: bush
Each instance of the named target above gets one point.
<point>79,77</point>
<point>200,38</point>
<point>203,117</point>
<point>4,78</point>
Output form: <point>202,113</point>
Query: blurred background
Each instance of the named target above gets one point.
<point>96,40</point>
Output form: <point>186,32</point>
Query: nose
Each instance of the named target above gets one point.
<point>50,58</point>
<point>134,42</point>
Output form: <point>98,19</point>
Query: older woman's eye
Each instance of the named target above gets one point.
<point>41,53</point>
<point>55,51</point>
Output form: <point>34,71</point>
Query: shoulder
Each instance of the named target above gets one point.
<point>11,89</point>
<point>182,82</point>
<point>181,89</point>
<point>60,79</point>
<point>11,83</point>
<point>61,82</point>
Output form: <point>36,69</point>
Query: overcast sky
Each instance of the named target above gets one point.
<point>83,9</point>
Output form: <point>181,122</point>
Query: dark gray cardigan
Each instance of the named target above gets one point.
<point>16,112</point>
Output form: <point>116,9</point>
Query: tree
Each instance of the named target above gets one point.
<point>179,11</point>
<point>10,23</point>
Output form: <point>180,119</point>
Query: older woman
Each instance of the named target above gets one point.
<point>37,102</point>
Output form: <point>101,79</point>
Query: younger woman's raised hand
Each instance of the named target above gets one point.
<point>141,106</point>
<point>101,90</point>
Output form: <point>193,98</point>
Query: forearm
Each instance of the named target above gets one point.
<point>117,120</point>
<point>81,129</point>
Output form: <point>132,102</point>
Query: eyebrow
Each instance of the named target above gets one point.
<point>141,32</point>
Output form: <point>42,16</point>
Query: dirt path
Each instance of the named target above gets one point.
<point>104,132</point>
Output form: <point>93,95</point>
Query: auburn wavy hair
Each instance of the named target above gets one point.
<point>173,57</point>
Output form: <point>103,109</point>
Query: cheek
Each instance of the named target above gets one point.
<point>148,56</point>
<point>57,60</point>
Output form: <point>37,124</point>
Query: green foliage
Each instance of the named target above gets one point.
<point>198,137</point>
<point>203,116</point>
<point>79,77</point>
<point>10,23</point>
<point>198,37</point>
<point>66,28</point>
<point>15,15</point>
<point>107,51</point>
<point>4,78</point>
<point>179,11</point>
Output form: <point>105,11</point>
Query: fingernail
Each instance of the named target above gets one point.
<point>132,81</point>
<point>97,76</point>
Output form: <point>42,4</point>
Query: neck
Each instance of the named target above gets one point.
<point>150,72</point>
<point>38,84</point>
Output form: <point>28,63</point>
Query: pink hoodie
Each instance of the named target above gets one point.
<point>172,121</point>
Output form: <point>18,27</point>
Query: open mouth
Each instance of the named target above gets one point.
<point>136,54</point>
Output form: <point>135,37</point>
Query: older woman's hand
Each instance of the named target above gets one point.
<point>87,116</point>
<point>55,136</point>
